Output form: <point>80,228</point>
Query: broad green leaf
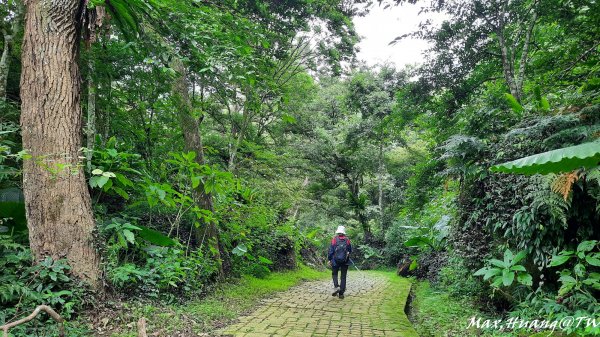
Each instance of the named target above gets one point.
<point>520,256</point>
<point>568,282</point>
<point>109,174</point>
<point>196,181</point>
<point>497,282</point>
<point>240,250</point>
<point>586,246</point>
<point>121,192</point>
<point>492,272</point>
<point>593,260</point>
<point>507,277</point>
<point>498,263</point>
<point>112,152</point>
<point>94,181</point>
<point>481,271</point>
<point>525,279</point>
<point>567,279</point>
<point>413,265</point>
<point>557,260</point>
<point>97,172</point>
<point>108,185</point>
<point>155,237</point>
<point>567,159</point>
<point>579,270</point>
<point>124,180</point>
<point>417,241</point>
<point>102,180</point>
<point>129,236</point>
<point>508,257</point>
<point>518,268</point>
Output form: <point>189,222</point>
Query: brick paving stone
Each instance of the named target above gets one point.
<point>309,310</point>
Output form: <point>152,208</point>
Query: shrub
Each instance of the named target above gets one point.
<point>24,286</point>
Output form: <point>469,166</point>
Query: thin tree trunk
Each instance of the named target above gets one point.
<point>59,213</point>
<point>91,116</point>
<point>525,52</point>
<point>9,37</point>
<point>381,170</point>
<point>193,142</point>
<point>238,141</point>
<point>507,68</point>
<point>4,65</point>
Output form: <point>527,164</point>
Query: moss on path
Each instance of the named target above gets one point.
<point>374,306</point>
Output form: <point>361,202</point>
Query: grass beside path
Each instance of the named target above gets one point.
<point>395,303</point>
<point>214,311</point>
<point>435,313</point>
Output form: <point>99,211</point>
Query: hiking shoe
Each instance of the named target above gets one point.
<point>337,290</point>
<point>341,296</point>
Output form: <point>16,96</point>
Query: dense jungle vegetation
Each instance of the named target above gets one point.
<point>152,150</point>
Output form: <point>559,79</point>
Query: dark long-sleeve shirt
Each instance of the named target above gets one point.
<point>332,249</point>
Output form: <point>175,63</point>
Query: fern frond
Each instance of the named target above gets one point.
<point>563,183</point>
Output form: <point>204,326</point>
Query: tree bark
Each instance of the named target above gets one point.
<point>91,116</point>
<point>4,65</point>
<point>58,207</point>
<point>525,52</point>
<point>9,37</point>
<point>507,67</point>
<point>193,142</point>
<point>381,170</point>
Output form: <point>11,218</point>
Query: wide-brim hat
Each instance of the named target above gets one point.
<point>340,230</point>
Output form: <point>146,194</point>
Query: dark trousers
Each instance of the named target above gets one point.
<point>334,274</point>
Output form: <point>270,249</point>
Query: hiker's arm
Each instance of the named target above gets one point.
<point>330,253</point>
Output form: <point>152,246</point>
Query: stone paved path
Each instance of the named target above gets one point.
<point>374,306</point>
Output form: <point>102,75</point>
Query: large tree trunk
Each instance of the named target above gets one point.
<point>193,142</point>
<point>59,212</point>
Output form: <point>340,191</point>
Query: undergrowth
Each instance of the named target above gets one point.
<point>216,310</point>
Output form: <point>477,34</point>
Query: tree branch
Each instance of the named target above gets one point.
<point>33,315</point>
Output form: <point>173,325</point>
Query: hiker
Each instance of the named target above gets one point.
<point>339,256</point>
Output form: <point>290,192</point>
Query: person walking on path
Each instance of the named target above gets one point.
<point>339,256</point>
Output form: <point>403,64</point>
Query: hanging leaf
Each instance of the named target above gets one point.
<point>556,161</point>
<point>129,236</point>
<point>155,237</point>
<point>240,250</point>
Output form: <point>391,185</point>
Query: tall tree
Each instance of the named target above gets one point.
<point>190,125</point>
<point>494,33</point>
<point>57,200</point>
<point>12,20</point>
